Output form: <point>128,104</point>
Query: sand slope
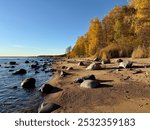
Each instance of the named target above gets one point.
<point>120,91</point>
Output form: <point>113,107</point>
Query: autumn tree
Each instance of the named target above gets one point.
<point>142,26</point>
<point>95,37</point>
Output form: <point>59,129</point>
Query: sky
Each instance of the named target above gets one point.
<point>47,27</point>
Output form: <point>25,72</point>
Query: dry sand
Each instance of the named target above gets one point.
<point>120,91</point>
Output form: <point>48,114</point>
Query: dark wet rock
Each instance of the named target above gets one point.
<point>11,70</point>
<point>27,62</point>
<point>6,66</point>
<point>15,87</point>
<point>88,77</point>
<point>12,67</point>
<point>46,88</point>
<point>69,68</point>
<point>94,66</point>
<point>12,63</point>
<point>90,84</point>
<point>53,70</point>
<point>47,70</point>
<point>105,61</point>
<point>36,62</point>
<point>48,107</point>
<point>28,83</point>
<point>20,71</point>
<point>125,64</point>
<point>36,72</point>
<point>33,66</point>
<point>118,60</point>
<point>80,63</point>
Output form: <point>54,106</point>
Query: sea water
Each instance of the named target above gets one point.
<point>14,98</point>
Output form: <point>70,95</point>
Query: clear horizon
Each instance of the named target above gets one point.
<point>47,27</point>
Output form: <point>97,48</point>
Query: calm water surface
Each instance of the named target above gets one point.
<point>13,98</point>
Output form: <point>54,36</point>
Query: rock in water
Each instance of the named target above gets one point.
<point>21,72</point>
<point>46,88</point>
<point>90,84</point>
<point>26,61</point>
<point>125,64</point>
<point>28,83</point>
<point>48,108</point>
<point>12,63</point>
<point>94,66</point>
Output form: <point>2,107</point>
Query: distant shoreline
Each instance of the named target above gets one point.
<point>43,56</point>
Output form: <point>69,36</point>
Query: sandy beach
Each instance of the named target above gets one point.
<point>120,90</point>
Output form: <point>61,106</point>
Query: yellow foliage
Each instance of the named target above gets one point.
<point>140,52</point>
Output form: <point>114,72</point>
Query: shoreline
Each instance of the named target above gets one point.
<point>120,91</point>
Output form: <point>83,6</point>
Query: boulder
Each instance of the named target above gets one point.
<point>20,71</point>
<point>12,67</point>
<point>94,66</point>
<point>11,70</point>
<point>53,70</point>
<point>46,88</point>
<point>26,61</point>
<point>69,68</point>
<point>36,72</point>
<point>63,74</point>
<point>118,60</point>
<point>105,61</point>
<point>63,67</point>
<point>28,83</point>
<point>97,59</point>
<point>33,66</point>
<point>12,63</point>
<point>48,107</point>
<point>88,77</point>
<point>80,63</point>
<point>125,64</point>
<point>89,84</point>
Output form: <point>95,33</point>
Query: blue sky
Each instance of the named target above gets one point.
<point>35,27</point>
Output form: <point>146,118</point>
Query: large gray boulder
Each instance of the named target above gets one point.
<point>89,84</point>
<point>105,61</point>
<point>94,66</point>
<point>46,88</point>
<point>125,64</point>
<point>88,77</point>
<point>28,83</point>
<point>20,71</point>
<point>118,60</point>
<point>48,107</point>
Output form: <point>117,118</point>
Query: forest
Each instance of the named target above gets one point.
<point>123,32</point>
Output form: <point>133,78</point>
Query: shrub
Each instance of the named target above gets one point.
<point>140,52</point>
